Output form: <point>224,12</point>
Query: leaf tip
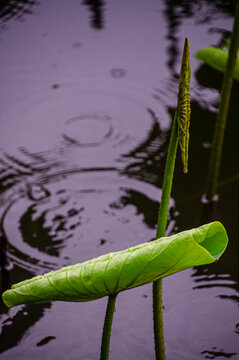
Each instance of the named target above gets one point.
<point>6,300</point>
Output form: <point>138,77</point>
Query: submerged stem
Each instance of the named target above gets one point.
<point>218,137</point>
<point>105,342</point>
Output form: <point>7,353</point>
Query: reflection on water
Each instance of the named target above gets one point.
<point>150,155</point>
<point>96,7</point>
<point>16,9</point>
<point>4,262</point>
<point>214,353</point>
<point>45,340</point>
<point>14,328</point>
<point>46,231</point>
<point>85,125</point>
<point>52,200</point>
<point>201,11</point>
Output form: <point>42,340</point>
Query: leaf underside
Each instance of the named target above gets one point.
<point>115,272</point>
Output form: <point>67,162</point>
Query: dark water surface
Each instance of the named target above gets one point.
<point>88,89</point>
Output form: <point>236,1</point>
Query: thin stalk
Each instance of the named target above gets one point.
<point>161,228</point>
<point>105,342</point>
<point>158,320</point>
<point>168,180</point>
<point>219,130</point>
<point>179,134</point>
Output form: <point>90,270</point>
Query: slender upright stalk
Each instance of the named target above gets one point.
<point>157,285</point>
<point>162,223</point>
<point>105,343</point>
<point>168,180</point>
<point>219,130</point>
<point>158,320</point>
<point>179,134</point>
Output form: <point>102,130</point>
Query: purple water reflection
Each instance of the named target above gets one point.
<point>88,90</point>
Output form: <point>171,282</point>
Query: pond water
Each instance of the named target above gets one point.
<point>88,91</point>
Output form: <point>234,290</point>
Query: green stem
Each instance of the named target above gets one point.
<point>105,343</point>
<point>168,180</point>
<point>161,228</point>
<point>158,320</point>
<point>217,144</point>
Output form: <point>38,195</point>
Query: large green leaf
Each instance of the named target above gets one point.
<point>119,271</point>
<point>217,58</point>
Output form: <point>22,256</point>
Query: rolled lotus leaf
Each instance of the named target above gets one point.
<point>216,58</point>
<point>114,272</point>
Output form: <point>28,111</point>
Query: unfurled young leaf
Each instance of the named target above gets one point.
<point>216,58</point>
<point>183,107</point>
<point>115,272</point>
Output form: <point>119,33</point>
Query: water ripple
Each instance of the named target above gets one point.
<point>82,213</point>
